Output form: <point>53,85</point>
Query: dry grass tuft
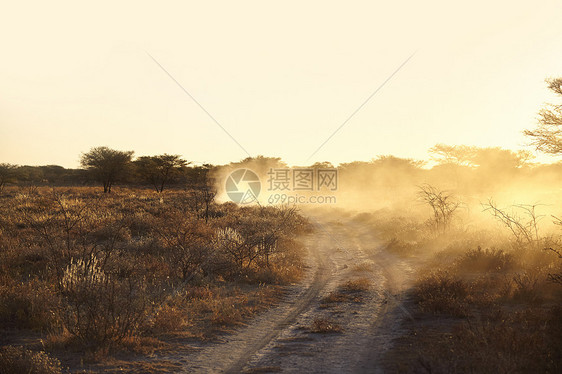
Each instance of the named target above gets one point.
<point>325,326</point>
<point>356,285</point>
<point>363,267</point>
<point>350,291</point>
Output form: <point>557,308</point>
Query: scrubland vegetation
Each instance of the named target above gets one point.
<point>134,270</point>
<point>137,269</point>
<point>101,273</point>
<point>484,298</point>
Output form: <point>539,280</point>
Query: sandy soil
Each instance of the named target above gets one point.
<point>281,339</point>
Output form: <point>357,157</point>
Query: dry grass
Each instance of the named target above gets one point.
<point>324,326</point>
<point>356,285</point>
<point>363,267</point>
<point>526,341</point>
<point>476,309</point>
<point>264,369</point>
<point>501,315</point>
<point>102,273</point>
<point>336,297</point>
<point>350,291</point>
<point>442,293</point>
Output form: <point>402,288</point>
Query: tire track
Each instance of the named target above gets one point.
<point>233,355</point>
<point>280,339</point>
<point>318,282</point>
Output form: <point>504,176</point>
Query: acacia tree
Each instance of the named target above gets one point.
<point>471,156</point>
<point>547,136</point>
<point>106,165</point>
<point>160,170</point>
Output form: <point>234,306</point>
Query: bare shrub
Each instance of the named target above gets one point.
<point>99,308</point>
<point>556,277</point>
<point>522,222</point>
<point>442,204</point>
<point>187,245</point>
<point>526,290</point>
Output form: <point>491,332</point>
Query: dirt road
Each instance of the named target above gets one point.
<point>283,340</point>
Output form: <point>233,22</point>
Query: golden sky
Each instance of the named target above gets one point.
<point>279,76</point>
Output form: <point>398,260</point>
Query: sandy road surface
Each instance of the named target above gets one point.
<point>280,339</point>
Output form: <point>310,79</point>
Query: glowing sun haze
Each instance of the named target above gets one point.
<point>279,76</point>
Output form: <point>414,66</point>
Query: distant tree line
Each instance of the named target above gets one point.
<point>106,167</point>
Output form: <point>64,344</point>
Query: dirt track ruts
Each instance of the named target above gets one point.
<point>279,339</point>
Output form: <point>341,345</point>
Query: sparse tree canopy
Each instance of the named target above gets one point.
<point>547,136</point>
<point>106,165</point>
<point>160,170</point>
<point>490,157</point>
<point>259,164</point>
<point>452,154</point>
<point>397,162</point>
<point>322,165</point>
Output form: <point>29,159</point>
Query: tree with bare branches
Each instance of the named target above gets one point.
<point>547,136</point>
<point>524,230</point>
<point>442,204</point>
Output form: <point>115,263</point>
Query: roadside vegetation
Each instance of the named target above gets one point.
<point>489,298</point>
<point>99,274</point>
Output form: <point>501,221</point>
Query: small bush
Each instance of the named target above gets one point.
<point>26,305</point>
<point>18,360</point>
<point>488,260</point>
<point>100,308</point>
<point>169,318</point>
<point>442,293</point>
